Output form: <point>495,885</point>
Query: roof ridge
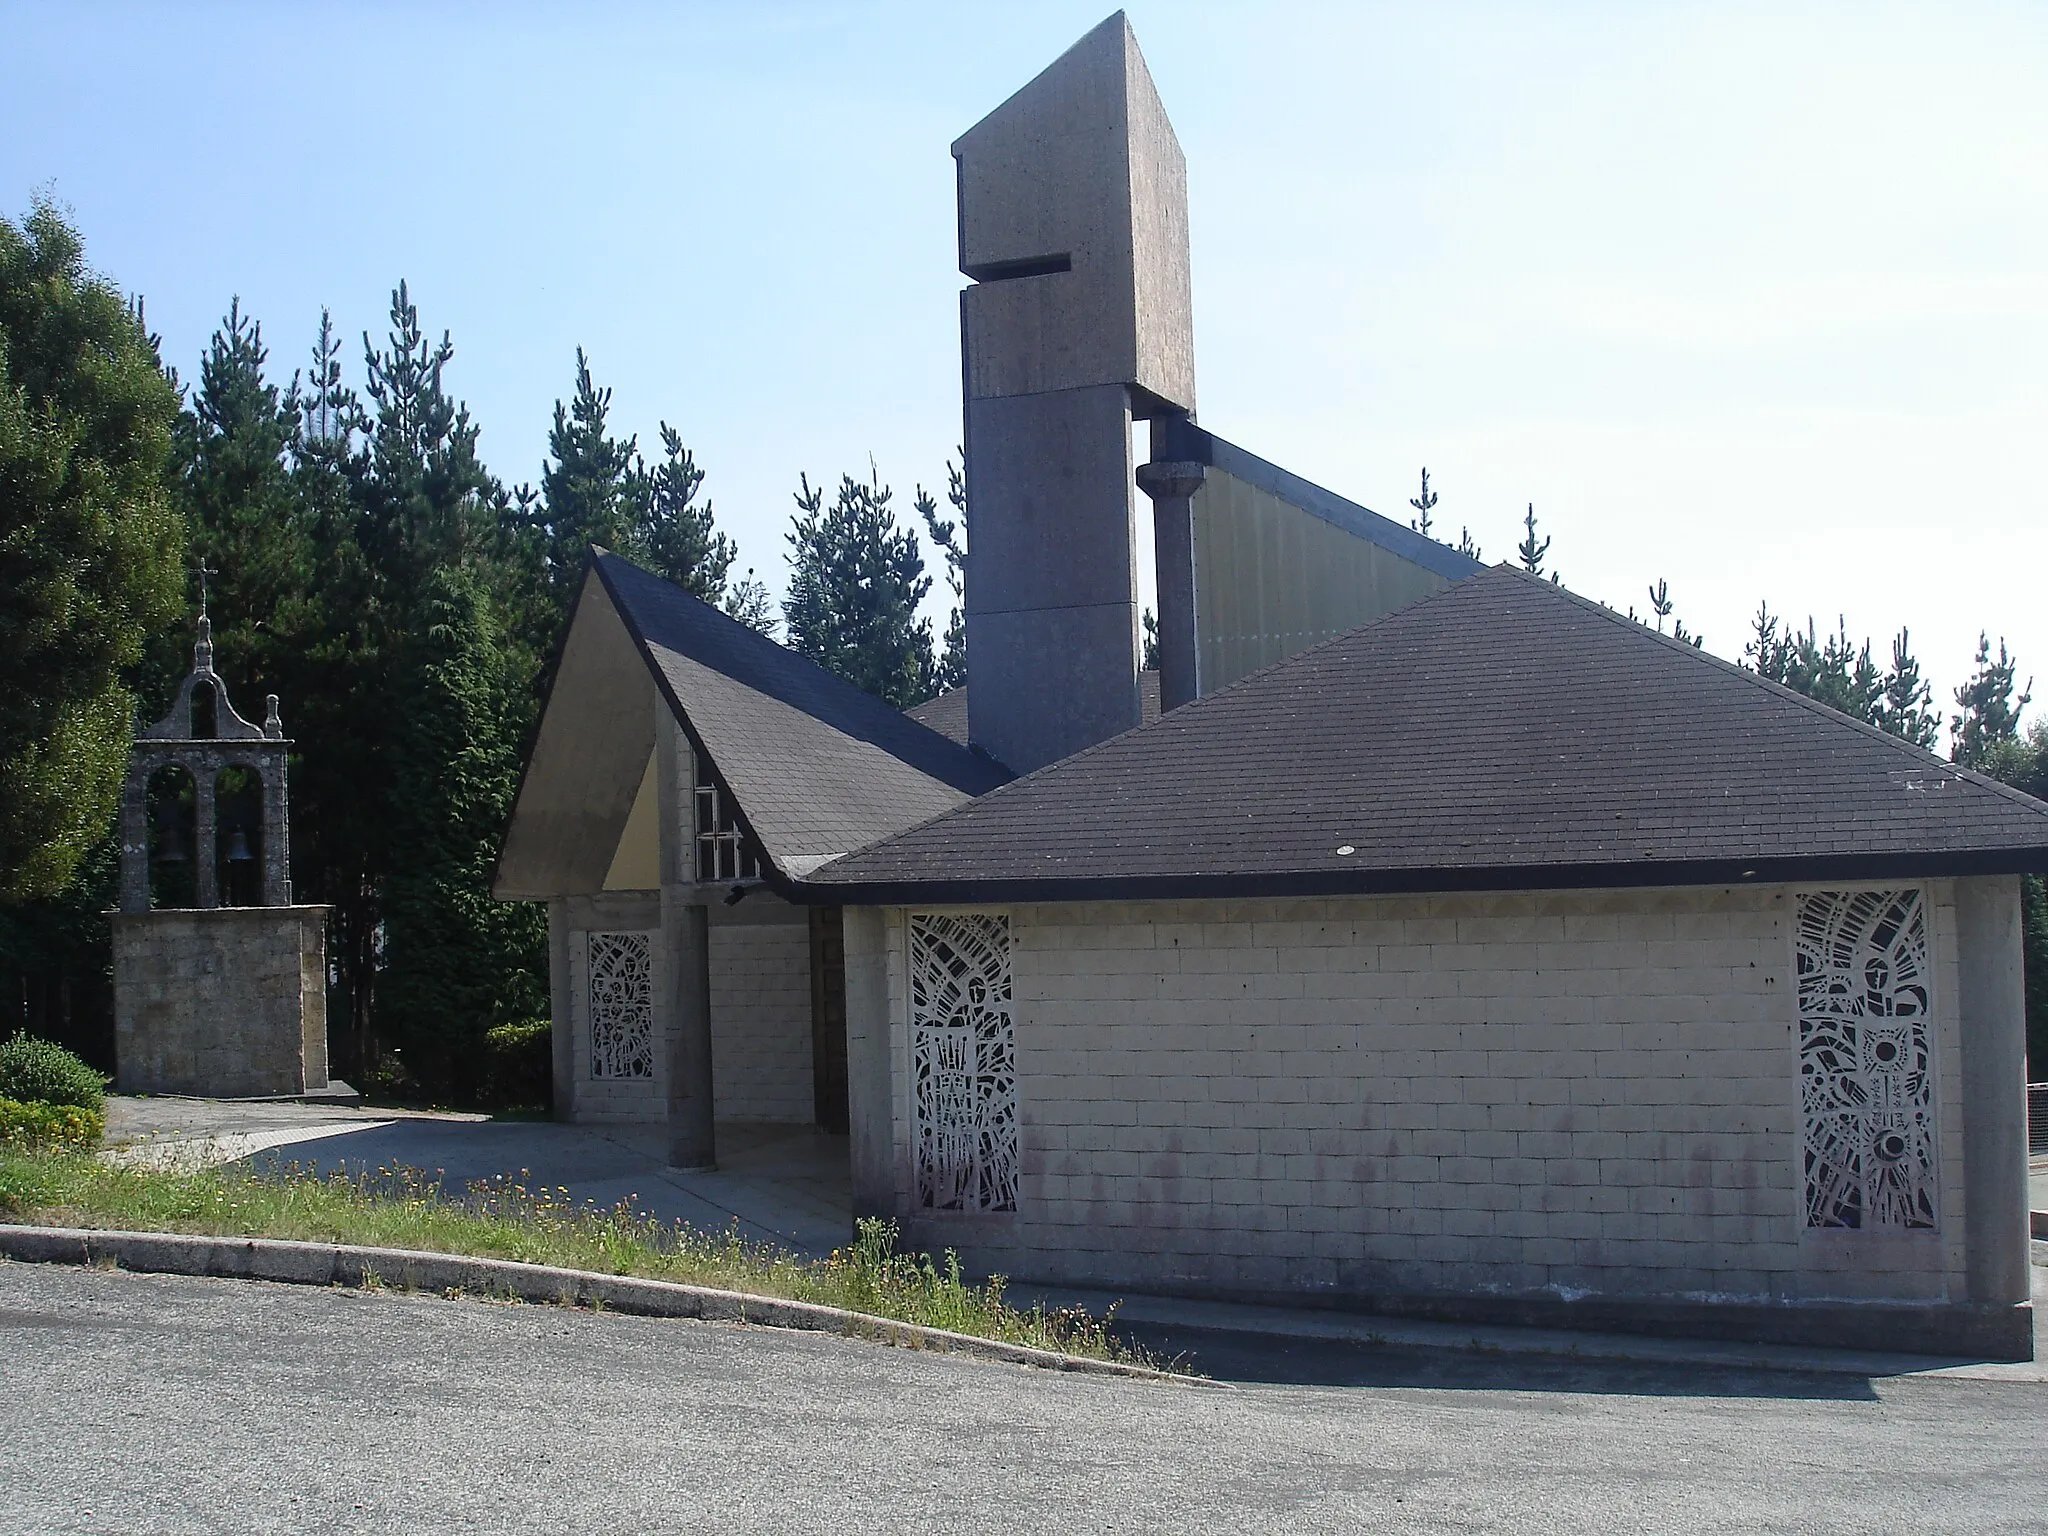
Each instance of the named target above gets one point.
<point>604,558</point>
<point>1923,756</point>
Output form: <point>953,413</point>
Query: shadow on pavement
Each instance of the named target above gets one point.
<point>1278,1360</point>
<point>785,1185</point>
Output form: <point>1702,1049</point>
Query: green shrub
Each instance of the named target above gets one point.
<point>34,1071</point>
<point>36,1125</point>
<point>519,1065</point>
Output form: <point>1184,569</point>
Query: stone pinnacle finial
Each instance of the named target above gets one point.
<point>202,649</point>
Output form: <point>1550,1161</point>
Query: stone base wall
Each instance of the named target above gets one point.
<point>226,1002</point>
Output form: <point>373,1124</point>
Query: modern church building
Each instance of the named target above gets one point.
<point>1419,937</point>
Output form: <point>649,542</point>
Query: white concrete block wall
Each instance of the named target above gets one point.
<point>613,1100</point>
<point>761,1023</point>
<point>1580,1092</point>
<point>760,1019</point>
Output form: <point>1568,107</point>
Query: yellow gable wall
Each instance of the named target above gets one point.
<point>636,863</point>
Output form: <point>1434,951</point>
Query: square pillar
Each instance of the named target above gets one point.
<point>1991,1012</point>
<point>685,970</point>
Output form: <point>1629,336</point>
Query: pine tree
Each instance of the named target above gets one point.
<point>1529,550</point>
<point>750,601</point>
<point>950,671</point>
<point>456,962</point>
<point>1842,675</point>
<point>1149,659</point>
<point>421,511</point>
<point>597,489</point>
<point>1904,707</point>
<point>246,520</point>
<point>588,494</point>
<point>1990,714</point>
<point>675,538</point>
<point>1660,603</point>
<point>1423,504</point>
<point>856,580</point>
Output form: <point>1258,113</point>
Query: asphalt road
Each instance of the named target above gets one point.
<point>154,1403</point>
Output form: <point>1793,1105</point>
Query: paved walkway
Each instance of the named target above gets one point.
<point>789,1185</point>
<point>776,1183</point>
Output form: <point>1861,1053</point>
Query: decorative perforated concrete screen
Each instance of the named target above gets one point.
<point>964,1055</point>
<point>621,1005</point>
<point>1865,1065</point>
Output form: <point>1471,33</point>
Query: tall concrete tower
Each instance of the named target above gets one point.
<point>1074,228</point>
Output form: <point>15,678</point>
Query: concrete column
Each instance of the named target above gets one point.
<point>870,1082</point>
<point>135,841</point>
<point>277,849</point>
<point>1991,1014</point>
<point>1172,487</point>
<point>685,955</point>
<point>686,938</point>
<point>205,856</point>
<point>561,1035</point>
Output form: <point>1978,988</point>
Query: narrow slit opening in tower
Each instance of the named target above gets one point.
<point>1023,266</point>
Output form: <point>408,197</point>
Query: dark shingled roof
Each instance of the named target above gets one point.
<point>1502,734</point>
<point>947,714</point>
<point>816,766</point>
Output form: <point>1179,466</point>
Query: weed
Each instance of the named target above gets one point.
<point>514,1217</point>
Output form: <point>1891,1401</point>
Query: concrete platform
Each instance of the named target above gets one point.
<point>782,1184</point>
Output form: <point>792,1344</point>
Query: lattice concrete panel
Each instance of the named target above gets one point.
<point>621,972</point>
<point>963,1051</point>
<point>1865,1068</point>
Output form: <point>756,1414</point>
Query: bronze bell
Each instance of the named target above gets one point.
<point>170,835</point>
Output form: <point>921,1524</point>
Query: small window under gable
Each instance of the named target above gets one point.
<point>723,851</point>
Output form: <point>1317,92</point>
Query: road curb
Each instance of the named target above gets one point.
<point>345,1264</point>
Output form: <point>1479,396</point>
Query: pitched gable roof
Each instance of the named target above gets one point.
<point>1501,734</point>
<point>816,766</point>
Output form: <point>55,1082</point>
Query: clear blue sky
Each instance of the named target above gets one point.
<point>1754,298</point>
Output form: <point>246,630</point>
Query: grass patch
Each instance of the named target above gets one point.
<point>507,1219</point>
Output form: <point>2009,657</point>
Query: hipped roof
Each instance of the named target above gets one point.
<point>1501,734</point>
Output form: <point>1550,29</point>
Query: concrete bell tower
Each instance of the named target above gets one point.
<point>1074,228</point>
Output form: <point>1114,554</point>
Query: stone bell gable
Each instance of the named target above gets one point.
<point>220,981</point>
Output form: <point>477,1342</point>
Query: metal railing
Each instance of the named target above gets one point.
<point>2037,1119</point>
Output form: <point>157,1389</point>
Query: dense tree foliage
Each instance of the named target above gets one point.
<point>949,537</point>
<point>370,570</point>
<point>856,580</point>
<point>599,490</point>
<point>1842,675</point>
<point>91,545</point>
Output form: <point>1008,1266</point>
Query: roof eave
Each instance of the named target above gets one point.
<point>1639,873</point>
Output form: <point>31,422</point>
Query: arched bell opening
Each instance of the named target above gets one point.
<point>238,836</point>
<point>172,801</point>
<point>205,711</point>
